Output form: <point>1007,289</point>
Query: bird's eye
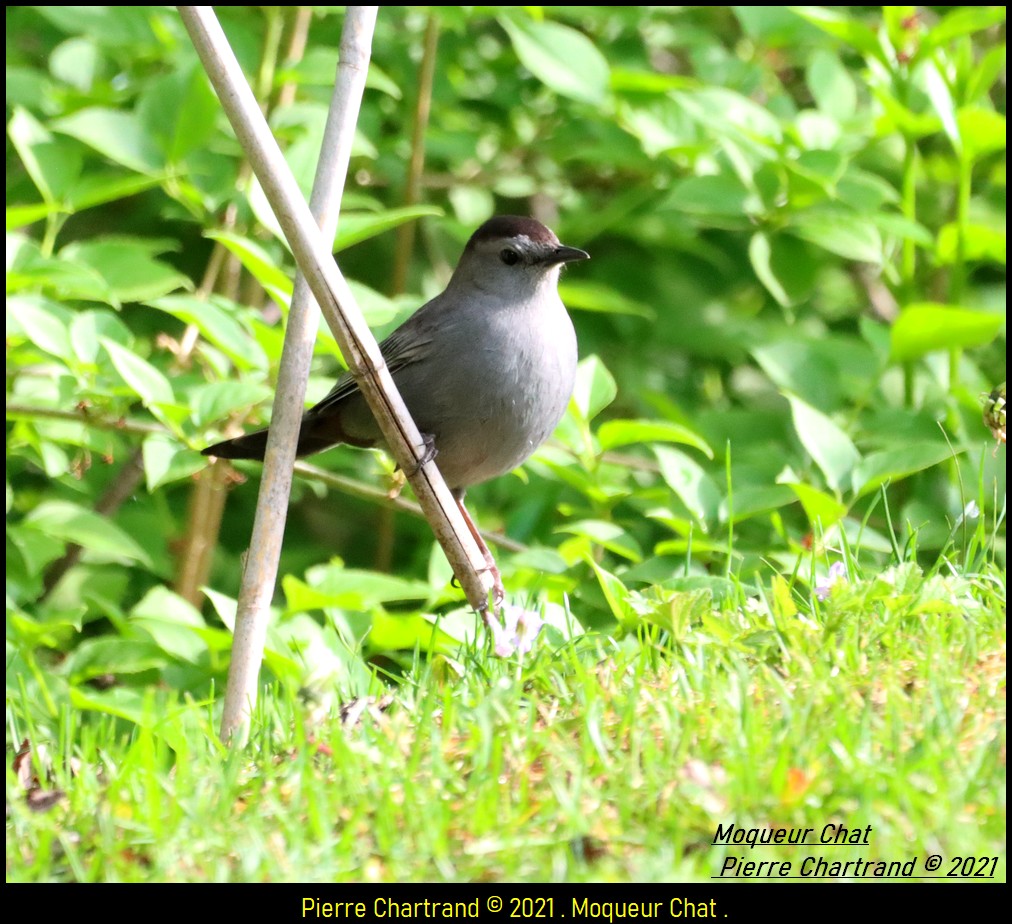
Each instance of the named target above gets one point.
<point>509,256</point>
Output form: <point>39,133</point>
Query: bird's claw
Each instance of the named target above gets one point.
<point>429,453</point>
<point>498,590</point>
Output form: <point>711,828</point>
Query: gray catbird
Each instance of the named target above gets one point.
<point>486,368</point>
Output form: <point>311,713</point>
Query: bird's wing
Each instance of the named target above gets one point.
<point>408,344</point>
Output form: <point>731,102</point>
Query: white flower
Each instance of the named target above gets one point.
<point>518,631</point>
<point>837,572</point>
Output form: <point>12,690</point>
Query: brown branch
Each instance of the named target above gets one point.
<point>406,232</point>
<point>354,488</point>
<point>342,483</point>
<point>119,490</point>
<point>203,526</point>
<point>302,17</point>
<point>81,415</point>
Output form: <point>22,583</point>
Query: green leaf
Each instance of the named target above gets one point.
<point>43,322</point>
<point>118,135</point>
<point>53,164</point>
<point>759,253</point>
<point>147,382</point>
<point>905,229</point>
<point>773,26</point>
<point>719,194</point>
<point>894,464</point>
<point>355,227</point>
<point>216,321</point>
<point>597,296</point>
<point>988,70</point>
<point>925,327</point>
<point>166,461</point>
<point>179,111</point>
<point>831,85</point>
<point>110,655</point>
<point>693,486</point>
<point>595,388</point>
<point>613,433</point>
<point>127,268</point>
<point>821,509</point>
<point>942,102</point>
<point>806,368</point>
<point>100,188</point>
<point>277,283</point>
<point>900,118</point>
<point>983,131</point>
<point>122,702</point>
<point>617,596</point>
<point>865,192</point>
<point>336,586</point>
<point>959,22</point>
<point>659,127</point>
<point>89,327</point>
<point>171,622</point>
<point>851,236</point>
<point>608,535</point>
<point>417,632</point>
<point>749,501</point>
<point>735,115</point>
<point>225,607</point>
<point>217,401</point>
<point>791,267</point>
<point>18,216</point>
<point>830,448</point>
<point>563,59</point>
<point>844,27</point>
<point>88,191</point>
<point>631,81</point>
<point>318,67</point>
<point>68,522</point>
<point>979,244</point>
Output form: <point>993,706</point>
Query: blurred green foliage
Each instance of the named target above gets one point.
<point>797,294</point>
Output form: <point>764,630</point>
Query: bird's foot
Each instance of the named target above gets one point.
<point>498,590</point>
<point>429,452</point>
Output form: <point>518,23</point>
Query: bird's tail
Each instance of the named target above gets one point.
<point>315,436</point>
<point>251,446</point>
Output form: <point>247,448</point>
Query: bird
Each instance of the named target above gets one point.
<point>486,368</point>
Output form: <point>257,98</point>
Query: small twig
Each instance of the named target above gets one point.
<point>301,19</point>
<point>881,300</point>
<point>269,59</point>
<point>354,488</point>
<point>82,416</point>
<point>405,239</point>
<point>406,232</point>
<point>341,483</point>
<point>203,526</point>
<point>119,490</point>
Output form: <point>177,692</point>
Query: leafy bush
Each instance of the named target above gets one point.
<point>797,293</point>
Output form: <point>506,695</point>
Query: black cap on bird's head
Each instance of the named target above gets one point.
<point>540,241</point>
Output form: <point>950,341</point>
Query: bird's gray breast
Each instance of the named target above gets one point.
<point>497,389</point>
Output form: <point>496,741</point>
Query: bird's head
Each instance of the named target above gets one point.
<point>513,255</point>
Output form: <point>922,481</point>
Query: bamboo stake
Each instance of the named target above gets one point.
<point>359,347</point>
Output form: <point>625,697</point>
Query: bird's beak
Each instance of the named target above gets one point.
<point>565,254</point>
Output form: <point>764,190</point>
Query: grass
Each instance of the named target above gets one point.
<point>594,759</point>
